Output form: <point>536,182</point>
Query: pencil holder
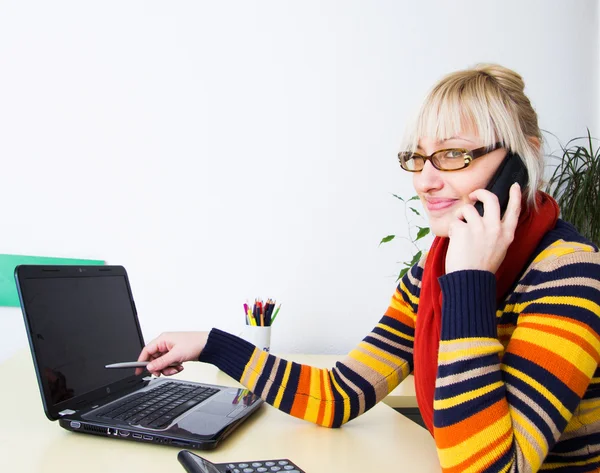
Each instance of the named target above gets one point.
<point>258,336</point>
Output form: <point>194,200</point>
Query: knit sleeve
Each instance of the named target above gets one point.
<point>504,410</point>
<point>329,397</point>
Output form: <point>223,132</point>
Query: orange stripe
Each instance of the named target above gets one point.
<point>555,364</point>
<point>483,452</point>
<point>446,437</point>
<point>562,319</point>
<point>403,318</point>
<point>302,393</point>
<point>576,339</point>
<point>321,414</point>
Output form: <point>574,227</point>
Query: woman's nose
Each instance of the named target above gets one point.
<point>428,179</point>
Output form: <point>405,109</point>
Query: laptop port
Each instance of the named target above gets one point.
<point>136,436</point>
<point>147,437</point>
<point>75,425</point>
<point>123,433</point>
<point>180,444</point>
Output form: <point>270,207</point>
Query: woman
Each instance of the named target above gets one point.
<point>500,321</point>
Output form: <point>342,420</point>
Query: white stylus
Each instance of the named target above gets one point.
<point>132,364</point>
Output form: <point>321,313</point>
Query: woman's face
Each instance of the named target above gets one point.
<point>443,192</point>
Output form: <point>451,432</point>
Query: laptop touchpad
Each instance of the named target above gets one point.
<point>216,408</point>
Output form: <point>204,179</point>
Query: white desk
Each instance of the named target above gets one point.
<point>380,440</point>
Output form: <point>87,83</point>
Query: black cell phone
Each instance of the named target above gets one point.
<point>511,170</point>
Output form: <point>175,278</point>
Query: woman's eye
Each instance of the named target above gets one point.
<point>453,154</point>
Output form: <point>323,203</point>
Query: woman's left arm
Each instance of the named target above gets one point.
<point>500,414</point>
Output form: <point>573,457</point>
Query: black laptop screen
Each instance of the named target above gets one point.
<point>78,325</point>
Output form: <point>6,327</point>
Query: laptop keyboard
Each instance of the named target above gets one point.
<point>157,407</point>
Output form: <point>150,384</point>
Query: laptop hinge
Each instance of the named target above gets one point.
<point>66,412</point>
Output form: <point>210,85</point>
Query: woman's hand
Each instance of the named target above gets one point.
<point>169,350</point>
<point>481,242</point>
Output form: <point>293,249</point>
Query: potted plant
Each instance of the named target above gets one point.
<point>575,184</point>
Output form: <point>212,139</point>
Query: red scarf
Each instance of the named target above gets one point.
<point>530,230</point>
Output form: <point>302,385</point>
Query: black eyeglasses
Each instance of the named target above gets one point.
<point>452,159</point>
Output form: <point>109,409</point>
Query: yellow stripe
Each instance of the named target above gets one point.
<point>404,289</point>
<point>468,353</point>
<point>257,370</point>
<point>383,369</point>
<point>571,352</point>
<point>560,300</point>
<point>564,325</point>
<point>452,456</point>
<point>561,248</point>
<point>346,399</point>
<point>539,388</point>
<point>588,418</point>
<point>530,453</point>
<point>456,400</point>
<point>282,386</point>
<point>315,395</point>
<point>387,328</point>
<point>249,368</point>
<point>328,415</point>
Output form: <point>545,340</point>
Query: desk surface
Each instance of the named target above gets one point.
<point>379,440</point>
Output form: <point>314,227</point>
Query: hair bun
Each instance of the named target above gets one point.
<point>506,78</point>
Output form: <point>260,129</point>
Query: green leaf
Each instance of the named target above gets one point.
<point>415,211</point>
<point>398,197</point>
<point>423,231</point>
<point>387,238</point>
<point>402,273</point>
<point>414,197</point>
<point>416,258</point>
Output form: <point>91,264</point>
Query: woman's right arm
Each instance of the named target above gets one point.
<point>329,397</point>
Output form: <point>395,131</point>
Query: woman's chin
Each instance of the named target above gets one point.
<point>439,227</point>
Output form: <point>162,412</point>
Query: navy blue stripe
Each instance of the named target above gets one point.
<point>393,350</point>
<point>506,459</point>
<point>579,290</point>
<point>533,415</point>
<point>362,384</point>
<point>592,467</point>
<point>573,444</point>
<point>287,401</point>
<point>545,378</point>
<point>396,325</point>
<point>276,382</point>
<point>453,415</point>
<point>474,363</point>
<point>570,270</point>
<point>455,389</point>
<point>339,411</point>
<point>264,376</point>
<point>569,311</point>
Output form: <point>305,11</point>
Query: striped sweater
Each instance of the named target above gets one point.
<point>518,386</point>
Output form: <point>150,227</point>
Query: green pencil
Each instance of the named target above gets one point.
<point>275,314</point>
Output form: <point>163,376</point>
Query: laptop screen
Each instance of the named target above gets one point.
<point>78,325</point>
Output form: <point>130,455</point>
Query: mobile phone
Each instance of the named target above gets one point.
<point>131,364</point>
<point>511,170</point>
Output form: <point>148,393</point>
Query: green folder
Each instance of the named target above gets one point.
<point>8,263</point>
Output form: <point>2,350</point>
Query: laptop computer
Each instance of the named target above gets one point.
<point>81,318</point>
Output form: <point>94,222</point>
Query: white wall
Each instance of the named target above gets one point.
<point>157,134</point>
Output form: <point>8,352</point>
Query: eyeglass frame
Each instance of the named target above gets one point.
<point>471,155</point>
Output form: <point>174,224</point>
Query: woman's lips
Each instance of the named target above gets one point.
<point>439,204</point>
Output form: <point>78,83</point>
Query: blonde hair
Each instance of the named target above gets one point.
<point>491,99</point>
